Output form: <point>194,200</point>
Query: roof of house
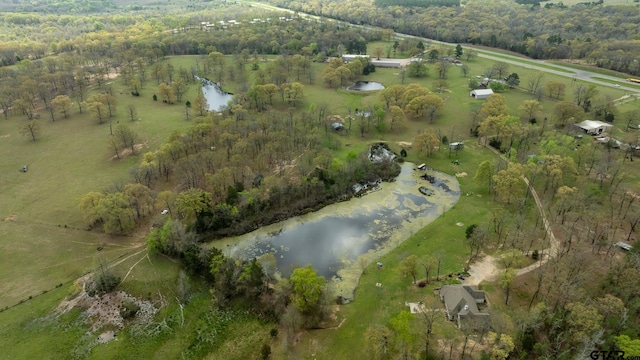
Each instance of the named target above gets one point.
<point>482,92</point>
<point>592,124</point>
<point>461,299</point>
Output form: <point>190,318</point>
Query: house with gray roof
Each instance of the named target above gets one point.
<point>461,303</point>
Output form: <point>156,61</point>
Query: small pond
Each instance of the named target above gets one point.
<point>365,86</point>
<point>333,238</point>
<point>217,99</point>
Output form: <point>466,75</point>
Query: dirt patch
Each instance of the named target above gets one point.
<point>5,136</point>
<point>11,218</point>
<point>462,174</point>
<point>484,269</point>
<point>126,152</point>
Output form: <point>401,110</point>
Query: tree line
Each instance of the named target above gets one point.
<point>599,35</point>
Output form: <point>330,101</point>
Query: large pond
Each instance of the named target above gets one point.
<point>365,86</point>
<point>333,238</point>
<point>217,99</point>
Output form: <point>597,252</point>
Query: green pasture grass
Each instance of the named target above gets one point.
<point>69,159</point>
<point>31,331</point>
<point>62,254</point>
<point>384,45</point>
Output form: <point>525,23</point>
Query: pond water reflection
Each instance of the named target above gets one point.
<point>365,86</point>
<point>216,98</point>
<point>333,238</point>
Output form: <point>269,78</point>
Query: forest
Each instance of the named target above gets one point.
<point>603,36</point>
<point>272,154</point>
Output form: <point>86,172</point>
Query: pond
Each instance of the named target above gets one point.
<point>333,238</point>
<point>217,99</point>
<point>365,86</point>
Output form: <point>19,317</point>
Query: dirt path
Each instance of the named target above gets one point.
<point>486,268</point>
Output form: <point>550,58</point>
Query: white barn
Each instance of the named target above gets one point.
<point>480,94</point>
<point>594,127</point>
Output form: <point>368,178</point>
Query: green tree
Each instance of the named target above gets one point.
<point>191,202</point>
<point>427,143</point>
<point>629,346</point>
<point>400,324</point>
<point>115,211</point>
<point>417,69</point>
<point>308,289</point>
<point>485,173</point>
<point>458,51</point>
<point>507,278</point>
<point>508,184</point>
<point>530,109</point>
<point>62,103</point>
<point>88,205</point>
<point>397,118</point>
<point>501,346</point>
<point>409,267</point>
<point>200,104</point>
<point>495,105</point>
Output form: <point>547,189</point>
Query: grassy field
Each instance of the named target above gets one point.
<point>40,219</point>
<point>39,213</point>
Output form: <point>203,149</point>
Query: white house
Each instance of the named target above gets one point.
<point>480,94</point>
<point>594,127</point>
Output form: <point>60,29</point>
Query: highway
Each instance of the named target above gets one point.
<point>528,63</point>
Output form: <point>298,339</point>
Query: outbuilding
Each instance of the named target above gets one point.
<point>480,94</point>
<point>594,127</point>
<point>350,57</point>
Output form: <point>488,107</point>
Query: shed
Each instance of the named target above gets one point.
<point>456,145</point>
<point>480,94</point>
<point>594,127</point>
<point>386,63</point>
<point>351,57</point>
<point>623,245</point>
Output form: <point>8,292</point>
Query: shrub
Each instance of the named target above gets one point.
<point>266,351</point>
<point>129,309</point>
<point>535,255</point>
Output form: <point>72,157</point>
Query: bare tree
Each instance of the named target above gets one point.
<point>31,129</point>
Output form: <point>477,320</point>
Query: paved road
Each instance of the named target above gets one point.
<point>540,65</point>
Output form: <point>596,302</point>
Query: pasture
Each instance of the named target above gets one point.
<point>46,241</point>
